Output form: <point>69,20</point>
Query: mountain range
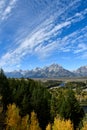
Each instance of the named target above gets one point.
<point>52,71</point>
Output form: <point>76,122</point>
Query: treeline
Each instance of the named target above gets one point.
<point>28,96</point>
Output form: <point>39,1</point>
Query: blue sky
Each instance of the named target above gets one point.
<point>37,33</point>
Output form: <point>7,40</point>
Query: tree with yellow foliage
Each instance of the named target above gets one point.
<point>84,126</point>
<point>15,122</point>
<point>13,118</point>
<point>49,127</point>
<point>25,123</point>
<point>34,124</point>
<point>60,124</point>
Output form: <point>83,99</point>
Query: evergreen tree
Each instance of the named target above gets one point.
<point>4,89</point>
<point>40,101</point>
<point>69,108</point>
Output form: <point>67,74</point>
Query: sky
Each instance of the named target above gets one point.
<point>37,33</point>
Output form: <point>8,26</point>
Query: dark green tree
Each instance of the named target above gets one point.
<point>69,108</point>
<point>40,101</point>
<point>4,89</point>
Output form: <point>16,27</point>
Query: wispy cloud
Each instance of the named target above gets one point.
<point>6,12</point>
<point>2,4</point>
<point>81,48</point>
<point>74,42</point>
<point>34,43</point>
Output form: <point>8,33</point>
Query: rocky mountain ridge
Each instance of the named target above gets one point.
<point>52,71</point>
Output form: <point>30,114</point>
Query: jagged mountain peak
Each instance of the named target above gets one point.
<point>83,67</point>
<point>81,71</point>
<point>53,67</point>
<point>37,69</point>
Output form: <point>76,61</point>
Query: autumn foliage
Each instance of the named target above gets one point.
<point>49,127</point>
<point>15,122</point>
<point>13,118</point>
<point>60,124</point>
<point>84,126</point>
<point>34,125</point>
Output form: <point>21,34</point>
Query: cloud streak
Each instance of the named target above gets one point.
<point>7,11</point>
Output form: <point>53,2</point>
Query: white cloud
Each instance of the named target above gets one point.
<point>2,4</point>
<point>74,42</point>
<point>8,9</point>
<point>81,48</point>
<point>78,16</point>
<point>44,51</point>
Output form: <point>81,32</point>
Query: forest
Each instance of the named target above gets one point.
<point>26,104</point>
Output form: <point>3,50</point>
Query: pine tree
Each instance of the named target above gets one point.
<point>4,89</point>
<point>69,108</point>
